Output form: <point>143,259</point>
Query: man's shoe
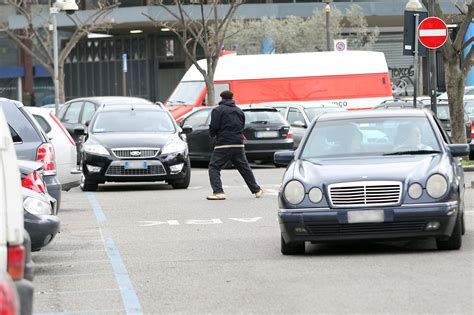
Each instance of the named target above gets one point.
<point>216,196</point>
<point>259,193</point>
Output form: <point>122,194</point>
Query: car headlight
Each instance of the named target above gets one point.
<point>415,190</point>
<point>315,195</point>
<point>294,192</point>
<point>96,149</point>
<point>436,186</point>
<point>36,206</point>
<point>174,146</point>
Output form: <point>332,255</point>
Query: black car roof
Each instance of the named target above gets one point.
<point>355,114</point>
<point>109,100</point>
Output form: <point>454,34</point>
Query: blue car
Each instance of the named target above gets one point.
<point>372,175</point>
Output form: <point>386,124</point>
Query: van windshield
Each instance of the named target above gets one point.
<point>186,93</point>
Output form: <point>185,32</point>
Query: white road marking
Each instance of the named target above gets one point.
<point>246,220</point>
<point>153,223</point>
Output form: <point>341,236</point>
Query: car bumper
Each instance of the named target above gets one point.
<point>54,188</point>
<point>407,222</point>
<point>113,170</point>
<point>265,149</point>
<point>25,289</point>
<point>42,229</point>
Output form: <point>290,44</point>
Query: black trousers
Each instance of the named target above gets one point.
<point>237,156</point>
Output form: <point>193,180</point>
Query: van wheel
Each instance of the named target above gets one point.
<point>88,185</point>
<point>454,242</point>
<point>294,248</point>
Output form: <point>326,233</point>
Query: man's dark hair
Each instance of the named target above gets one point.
<point>227,95</point>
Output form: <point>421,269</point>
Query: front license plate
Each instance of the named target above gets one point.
<point>266,134</point>
<point>365,216</point>
<point>135,165</point>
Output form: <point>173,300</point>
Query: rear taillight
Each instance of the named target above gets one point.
<point>289,135</point>
<point>16,261</point>
<point>45,155</point>
<point>8,299</point>
<point>33,182</point>
<point>472,131</point>
<point>56,120</point>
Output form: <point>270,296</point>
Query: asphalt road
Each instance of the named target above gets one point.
<point>150,249</point>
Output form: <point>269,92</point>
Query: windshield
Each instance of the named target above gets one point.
<point>263,117</point>
<point>470,109</point>
<point>442,112</point>
<point>133,121</point>
<point>370,136</point>
<point>312,112</point>
<point>187,93</point>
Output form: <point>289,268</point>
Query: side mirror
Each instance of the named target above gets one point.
<point>88,123</point>
<point>458,150</point>
<point>187,129</point>
<point>284,157</point>
<point>299,124</point>
<point>80,131</point>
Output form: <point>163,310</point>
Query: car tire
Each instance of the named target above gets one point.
<point>88,185</point>
<point>183,183</point>
<point>293,248</point>
<point>454,242</point>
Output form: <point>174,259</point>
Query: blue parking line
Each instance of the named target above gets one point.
<point>129,296</point>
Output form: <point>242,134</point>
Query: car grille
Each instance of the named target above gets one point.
<point>365,228</point>
<point>135,153</point>
<point>151,170</point>
<point>365,194</point>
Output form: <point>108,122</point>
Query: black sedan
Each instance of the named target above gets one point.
<point>372,175</point>
<point>134,143</point>
<point>265,132</point>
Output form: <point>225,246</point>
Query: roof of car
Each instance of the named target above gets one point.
<point>300,104</point>
<point>126,107</point>
<point>258,107</point>
<point>15,102</point>
<point>119,100</point>
<point>355,114</point>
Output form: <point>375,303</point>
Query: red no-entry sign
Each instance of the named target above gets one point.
<point>432,32</point>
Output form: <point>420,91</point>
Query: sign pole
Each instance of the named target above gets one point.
<point>124,74</point>
<point>433,67</point>
<point>415,61</point>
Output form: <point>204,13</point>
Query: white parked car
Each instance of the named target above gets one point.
<point>66,154</point>
<point>12,250</point>
<point>468,94</point>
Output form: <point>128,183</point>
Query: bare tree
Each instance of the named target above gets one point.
<point>297,34</point>
<point>456,67</point>
<point>203,25</point>
<point>41,37</point>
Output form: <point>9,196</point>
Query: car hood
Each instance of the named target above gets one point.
<point>131,140</point>
<point>413,168</point>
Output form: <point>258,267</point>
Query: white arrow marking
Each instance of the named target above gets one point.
<point>153,223</point>
<point>210,221</point>
<point>436,32</point>
<point>246,220</point>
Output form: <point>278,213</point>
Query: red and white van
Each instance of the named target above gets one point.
<point>351,79</point>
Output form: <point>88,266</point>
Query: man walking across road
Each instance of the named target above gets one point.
<point>227,126</point>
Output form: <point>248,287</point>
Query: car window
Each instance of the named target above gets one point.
<point>442,112</point>
<point>15,137</point>
<point>281,110</point>
<point>187,93</point>
<point>43,123</point>
<point>73,112</point>
<point>469,92</point>
<point>312,112</point>
<point>470,109</point>
<point>295,115</point>
<point>369,136</point>
<point>62,111</point>
<point>263,117</point>
<point>133,121</point>
<point>198,118</point>
<point>87,112</point>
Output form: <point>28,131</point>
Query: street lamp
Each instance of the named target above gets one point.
<point>69,6</point>
<point>415,7</point>
<point>327,9</point>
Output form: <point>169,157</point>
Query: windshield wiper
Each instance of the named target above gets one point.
<point>414,152</point>
<point>259,122</point>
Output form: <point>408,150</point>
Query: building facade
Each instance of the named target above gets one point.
<point>155,60</point>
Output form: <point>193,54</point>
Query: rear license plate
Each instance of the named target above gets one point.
<point>135,165</point>
<point>365,216</point>
<point>266,134</point>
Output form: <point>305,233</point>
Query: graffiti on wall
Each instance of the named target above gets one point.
<point>402,80</point>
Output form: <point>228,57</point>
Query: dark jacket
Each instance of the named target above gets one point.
<point>227,123</point>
